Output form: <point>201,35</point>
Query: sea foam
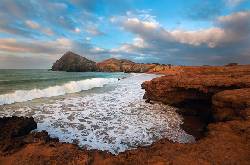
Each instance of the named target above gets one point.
<point>115,120</point>
<point>70,87</point>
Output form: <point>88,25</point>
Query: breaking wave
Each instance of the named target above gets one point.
<point>70,87</point>
<point>115,120</point>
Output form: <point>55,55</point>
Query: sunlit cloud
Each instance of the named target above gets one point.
<point>192,33</point>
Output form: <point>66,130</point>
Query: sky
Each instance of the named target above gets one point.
<point>35,33</point>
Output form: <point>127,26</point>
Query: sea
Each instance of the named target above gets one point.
<point>95,110</point>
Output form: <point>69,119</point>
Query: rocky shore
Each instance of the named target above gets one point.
<point>214,102</point>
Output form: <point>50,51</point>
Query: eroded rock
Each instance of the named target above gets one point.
<point>231,104</point>
<point>116,65</point>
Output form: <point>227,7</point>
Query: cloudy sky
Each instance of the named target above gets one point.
<point>35,33</point>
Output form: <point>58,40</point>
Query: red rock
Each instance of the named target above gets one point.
<point>231,104</point>
<point>196,83</point>
<point>116,65</point>
<point>225,143</point>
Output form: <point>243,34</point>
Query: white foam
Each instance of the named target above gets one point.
<point>114,121</point>
<point>71,87</point>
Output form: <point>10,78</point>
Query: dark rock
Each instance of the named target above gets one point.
<point>16,126</point>
<point>72,62</point>
<point>232,64</point>
<point>12,131</point>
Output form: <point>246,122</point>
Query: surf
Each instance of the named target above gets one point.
<point>70,87</point>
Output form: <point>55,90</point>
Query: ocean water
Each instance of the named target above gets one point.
<point>104,111</point>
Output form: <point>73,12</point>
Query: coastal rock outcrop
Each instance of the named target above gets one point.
<point>225,143</point>
<point>196,91</point>
<point>18,145</point>
<point>114,65</point>
<point>11,129</point>
<point>231,104</point>
<point>72,62</point>
<point>123,65</point>
<point>196,84</point>
<point>222,93</point>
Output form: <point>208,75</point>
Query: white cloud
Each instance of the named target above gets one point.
<point>220,43</point>
<point>52,48</point>
<point>77,30</point>
<point>238,16</point>
<point>32,24</point>
<point>48,31</point>
<point>233,3</point>
<point>93,31</point>
<point>211,36</point>
<point>88,38</point>
<point>60,45</point>
<point>97,50</point>
<point>229,29</point>
<point>139,42</point>
<point>35,25</point>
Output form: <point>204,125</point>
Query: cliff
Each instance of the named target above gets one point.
<point>196,83</point>
<point>72,62</point>
<point>197,92</point>
<point>217,98</point>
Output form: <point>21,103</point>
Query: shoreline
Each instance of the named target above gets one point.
<point>225,139</point>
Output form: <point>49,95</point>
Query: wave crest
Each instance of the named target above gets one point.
<point>70,87</point>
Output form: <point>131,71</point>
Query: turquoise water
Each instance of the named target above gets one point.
<point>13,80</point>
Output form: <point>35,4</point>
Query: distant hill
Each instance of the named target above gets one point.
<point>72,62</point>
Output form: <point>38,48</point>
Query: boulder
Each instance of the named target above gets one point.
<point>16,126</point>
<point>12,131</point>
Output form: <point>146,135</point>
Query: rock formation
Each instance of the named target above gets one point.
<point>231,104</point>
<point>72,62</point>
<point>193,89</point>
<point>225,143</point>
<point>205,94</point>
<point>217,96</point>
<point>116,65</point>
<point>11,128</point>
<point>196,83</point>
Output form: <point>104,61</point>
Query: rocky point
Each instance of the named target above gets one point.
<point>213,101</point>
